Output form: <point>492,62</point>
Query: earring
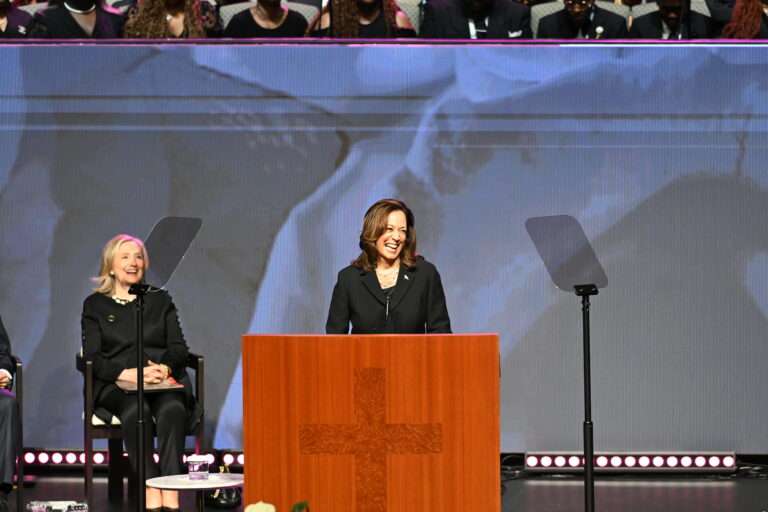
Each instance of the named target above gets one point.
<point>112,273</point>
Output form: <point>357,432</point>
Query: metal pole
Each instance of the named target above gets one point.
<point>589,451</point>
<point>141,469</point>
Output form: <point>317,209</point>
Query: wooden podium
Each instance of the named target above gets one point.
<point>395,423</point>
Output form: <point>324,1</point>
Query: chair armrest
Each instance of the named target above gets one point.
<point>194,361</point>
<point>197,363</point>
<point>18,378</point>
<point>87,369</point>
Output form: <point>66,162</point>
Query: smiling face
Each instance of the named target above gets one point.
<point>390,244</point>
<point>128,264</point>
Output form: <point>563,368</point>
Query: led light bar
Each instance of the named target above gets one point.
<point>35,457</point>
<point>230,458</point>
<point>624,462</point>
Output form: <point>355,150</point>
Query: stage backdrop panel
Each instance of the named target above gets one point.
<point>658,151</point>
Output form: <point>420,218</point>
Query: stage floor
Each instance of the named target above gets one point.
<point>529,494</point>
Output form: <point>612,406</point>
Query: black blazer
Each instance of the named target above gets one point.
<point>649,26</point>
<point>445,19</point>
<point>559,25</point>
<point>417,304</point>
<point>109,337</point>
<point>18,22</point>
<point>55,22</point>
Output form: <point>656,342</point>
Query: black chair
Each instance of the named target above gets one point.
<point>18,385</point>
<point>96,428</point>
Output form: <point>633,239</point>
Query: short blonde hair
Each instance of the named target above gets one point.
<point>105,282</point>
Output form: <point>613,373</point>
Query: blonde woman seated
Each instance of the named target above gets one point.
<point>109,340</point>
<point>364,19</point>
<point>172,19</point>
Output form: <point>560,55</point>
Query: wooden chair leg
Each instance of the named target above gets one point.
<point>20,465</point>
<point>115,471</point>
<point>88,449</point>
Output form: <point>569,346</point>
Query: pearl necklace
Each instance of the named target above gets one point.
<point>120,301</point>
<point>387,278</point>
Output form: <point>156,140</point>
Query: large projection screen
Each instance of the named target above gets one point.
<point>659,152</point>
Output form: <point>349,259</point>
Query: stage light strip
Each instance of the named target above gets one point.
<point>77,457</point>
<point>230,458</point>
<point>570,462</point>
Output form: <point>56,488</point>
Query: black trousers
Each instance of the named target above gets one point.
<point>9,424</point>
<point>170,419</point>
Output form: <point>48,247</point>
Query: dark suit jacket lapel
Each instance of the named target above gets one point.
<point>405,279</point>
<point>459,24</point>
<point>656,25</point>
<point>565,28</point>
<point>497,24</point>
<point>372,283</point>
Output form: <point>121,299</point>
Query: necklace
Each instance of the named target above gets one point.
<point>79,11</point>
<point>387,278</point>
<point>120,301</point>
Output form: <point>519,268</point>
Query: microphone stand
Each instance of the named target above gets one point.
<point>140,290</point>
<point>584,291</point>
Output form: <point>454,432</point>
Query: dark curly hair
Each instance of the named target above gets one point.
<point>745,20</point>
<point>149,22</point>
<point>345,17</point>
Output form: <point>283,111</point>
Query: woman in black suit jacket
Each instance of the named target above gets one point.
<point>388,288</point>
<point>109,340</point>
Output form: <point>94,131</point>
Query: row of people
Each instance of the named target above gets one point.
<point>382,19</point>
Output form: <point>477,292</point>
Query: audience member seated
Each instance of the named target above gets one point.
<point>582,19</point>
<point>669,22</point>
<point>172,19</point>
<point>364,19</point>
<point>268,18</point>
<point>476,19</point>
<point>76,19</point>
<point>748,20</point>
<point>14,22</point>
<point>8,420</point>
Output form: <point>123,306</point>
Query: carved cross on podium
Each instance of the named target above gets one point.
<point>371,439</point>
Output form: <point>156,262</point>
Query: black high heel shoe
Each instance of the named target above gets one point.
<point>169,509</point>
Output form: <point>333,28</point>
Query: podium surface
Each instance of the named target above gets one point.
<point>376,423</point>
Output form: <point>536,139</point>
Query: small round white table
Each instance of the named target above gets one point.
<point>183,483</point>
